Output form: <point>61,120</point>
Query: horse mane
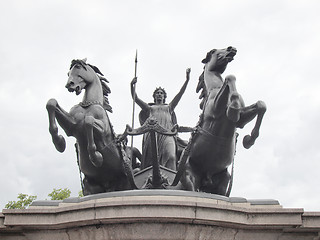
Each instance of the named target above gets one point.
<point>105,88</point>
<point>202,86</point>
<point>208,56</point>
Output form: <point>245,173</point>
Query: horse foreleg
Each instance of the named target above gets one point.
<point>235,101</point>
<point>248,114</point>
<point>58,140</point>
<point>92,124</point>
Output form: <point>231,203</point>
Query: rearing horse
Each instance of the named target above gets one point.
<point>212,146</point>
<point>101,160</point>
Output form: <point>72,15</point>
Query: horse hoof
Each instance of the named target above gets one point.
<point>247,141</point>
<point>59,143</point>
<point>233,114</point>
<point>97,159</point>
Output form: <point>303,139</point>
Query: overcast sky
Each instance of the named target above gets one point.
<point>278,61</point>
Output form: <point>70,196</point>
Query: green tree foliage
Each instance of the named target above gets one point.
<point>59,194</point>
<point>23,202</point>
<point>80,193</point>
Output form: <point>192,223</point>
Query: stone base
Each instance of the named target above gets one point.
<point>158,214</point>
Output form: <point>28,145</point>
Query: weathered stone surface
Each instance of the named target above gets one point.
<point>159,214</point>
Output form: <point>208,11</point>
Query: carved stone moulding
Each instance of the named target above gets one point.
<point>159,214</point>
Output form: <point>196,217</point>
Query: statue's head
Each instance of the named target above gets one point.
<point>159,95</point>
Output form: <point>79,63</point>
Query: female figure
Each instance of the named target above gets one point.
<point>164,113</point>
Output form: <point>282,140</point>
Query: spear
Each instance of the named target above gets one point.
<point>134,98</point>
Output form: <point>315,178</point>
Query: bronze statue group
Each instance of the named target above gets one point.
<point>201,164</point>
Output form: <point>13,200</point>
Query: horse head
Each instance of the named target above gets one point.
<point>80,75</point>
<point>210,81</point>
<point>218,59</point>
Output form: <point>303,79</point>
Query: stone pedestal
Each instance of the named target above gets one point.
<point>159,214</point>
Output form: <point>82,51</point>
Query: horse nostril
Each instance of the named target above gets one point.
<point>69,84</point>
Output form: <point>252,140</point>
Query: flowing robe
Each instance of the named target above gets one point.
<point>166,144</point>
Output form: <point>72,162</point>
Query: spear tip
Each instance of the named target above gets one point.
<point>136,59</point>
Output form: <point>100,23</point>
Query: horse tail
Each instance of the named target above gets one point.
<point>76,145</point>
<point>232,168</point>
<point>127,167</point>
<point>183,161</point>
<point>231,180</point>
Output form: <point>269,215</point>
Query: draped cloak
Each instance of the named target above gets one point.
<point>166,144</point>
